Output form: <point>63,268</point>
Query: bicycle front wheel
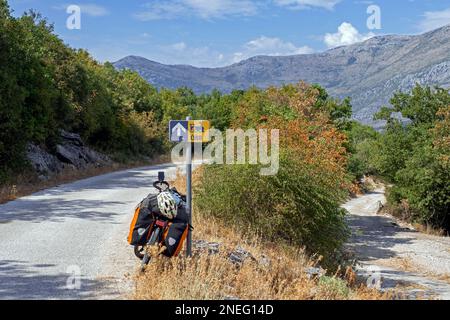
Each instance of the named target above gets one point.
<point>153,240</point>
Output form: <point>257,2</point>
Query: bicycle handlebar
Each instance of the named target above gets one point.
<point>158,184</point>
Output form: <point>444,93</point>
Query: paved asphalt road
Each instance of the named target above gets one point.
<point>46,239</point>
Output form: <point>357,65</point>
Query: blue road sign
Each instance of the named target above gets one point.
<point>178,130</point>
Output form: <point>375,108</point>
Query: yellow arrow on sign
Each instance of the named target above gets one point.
<point>199,131</point>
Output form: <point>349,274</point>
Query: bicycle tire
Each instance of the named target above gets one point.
<point>153,240</point>
<point>138,251</point>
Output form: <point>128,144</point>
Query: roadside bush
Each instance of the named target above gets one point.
<point>333,288</point>
<point>292,206</point>
<point>300,204</point>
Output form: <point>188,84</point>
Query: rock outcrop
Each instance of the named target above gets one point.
<point>44,163</point>
<point>71,153</point>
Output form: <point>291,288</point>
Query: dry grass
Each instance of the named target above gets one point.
<point>445,278</point>
<point>428,229</point>
<point>404,220</point>
<point>399,263</point>
<point>27,184</point>
<point>214,277</point>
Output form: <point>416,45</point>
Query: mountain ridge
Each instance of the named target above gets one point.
<point>369,72</point>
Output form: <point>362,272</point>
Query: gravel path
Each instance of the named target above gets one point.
<point>417,264</point>
<point>49,238</point>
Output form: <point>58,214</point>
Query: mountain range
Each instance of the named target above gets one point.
<point>369,72</point>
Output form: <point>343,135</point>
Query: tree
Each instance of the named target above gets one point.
<point>363,148</point>
<point>414,156</point>
<point>420,106</point>
<point>46,86</point>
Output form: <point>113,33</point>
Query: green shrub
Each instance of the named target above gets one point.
<point>333,287</point>
<point>292,206</point>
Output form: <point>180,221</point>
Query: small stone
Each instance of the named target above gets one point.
<point>264,261</point>
<point>239,255</point>
<point>235,258</point>
<point>211,247</point>
<point>314,272</point>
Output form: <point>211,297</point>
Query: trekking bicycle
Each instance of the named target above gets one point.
<point>158,229</point>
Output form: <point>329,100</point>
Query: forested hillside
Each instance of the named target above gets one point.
<point>46,86</point>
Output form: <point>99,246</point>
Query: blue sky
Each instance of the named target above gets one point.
<point>211,33</point>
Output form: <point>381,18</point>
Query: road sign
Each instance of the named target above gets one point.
<point>189,131</point>
<point>198,131</point>
<point>178,130</point>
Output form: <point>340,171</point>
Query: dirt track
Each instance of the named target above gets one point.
<point>417,264</point>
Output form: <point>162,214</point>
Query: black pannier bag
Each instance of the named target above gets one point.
<point>176,233</point>
<point>151,203</point>
<point>182,215</point>
<point>174,238</point>
<point>142,222</point>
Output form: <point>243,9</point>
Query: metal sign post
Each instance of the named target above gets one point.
<point>190,132</point>
<point>189,192</point>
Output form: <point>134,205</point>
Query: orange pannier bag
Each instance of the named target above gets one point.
<point>143,221</point>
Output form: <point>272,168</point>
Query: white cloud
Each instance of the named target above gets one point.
<point>434,19</point>
<point>180,46</point>
<point>305,4</point>
<point>346,35</point>
<point>206,9</point>
<point>270,47</point>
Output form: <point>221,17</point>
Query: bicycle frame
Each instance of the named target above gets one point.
<point>155,238</point>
